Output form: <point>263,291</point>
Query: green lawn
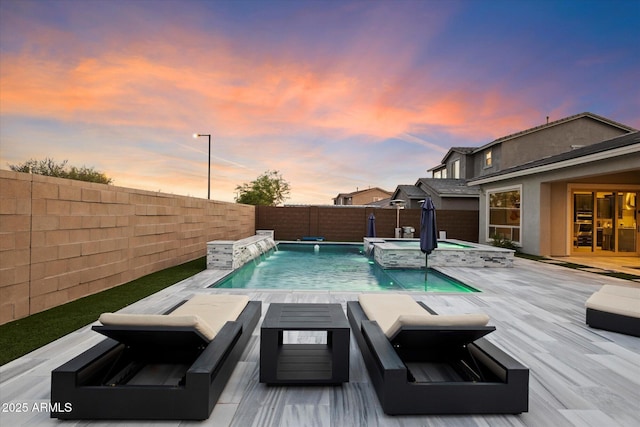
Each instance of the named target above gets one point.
<point>21,336</point>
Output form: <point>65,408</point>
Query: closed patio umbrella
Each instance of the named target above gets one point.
<point>371,226</point>
<point>428,230</point>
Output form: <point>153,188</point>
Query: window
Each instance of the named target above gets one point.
<point>455,169</point>
<point>487,159</point>
<point>444,173</point>
<point>504,214</point>
<point>437,174</point>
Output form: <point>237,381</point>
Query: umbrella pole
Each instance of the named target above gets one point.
<point>426,266</point>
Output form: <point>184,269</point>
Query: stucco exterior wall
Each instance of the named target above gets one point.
<point>496,160</point>
<point>545,197</point>
<point>369,196</point>
<point>555,140</point>
<point>558,226</point>
<point>63,239</point>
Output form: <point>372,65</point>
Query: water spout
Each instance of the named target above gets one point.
<point>316,248</point>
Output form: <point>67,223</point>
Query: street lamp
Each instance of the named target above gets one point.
<point>197,135</point>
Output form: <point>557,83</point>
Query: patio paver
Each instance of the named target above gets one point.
<point>579,376</point>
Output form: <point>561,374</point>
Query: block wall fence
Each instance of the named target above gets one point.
<point>61,239</point>
<point>349,223</point>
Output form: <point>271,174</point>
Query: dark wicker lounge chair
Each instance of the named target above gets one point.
<point>438,369</point>
<point>616,309</point>
<point>159,367</point>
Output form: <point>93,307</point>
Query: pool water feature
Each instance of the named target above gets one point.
<point>333,267</point>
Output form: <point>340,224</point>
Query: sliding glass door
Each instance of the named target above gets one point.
<point>605,222</point>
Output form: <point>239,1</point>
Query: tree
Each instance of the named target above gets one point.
<point>50,167</point>
<point>269,189</point>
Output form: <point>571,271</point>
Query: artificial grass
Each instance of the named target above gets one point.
<point>22,336</point>
<point>531,257</point>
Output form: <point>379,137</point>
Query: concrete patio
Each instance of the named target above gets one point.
<point>578,376</point>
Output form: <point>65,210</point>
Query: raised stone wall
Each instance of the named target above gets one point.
<point>233,254</point>
<point>388,255</point>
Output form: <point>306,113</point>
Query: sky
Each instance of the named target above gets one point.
<point>337,96</point>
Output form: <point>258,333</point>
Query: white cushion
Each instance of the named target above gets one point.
<point>624,291</point>
<point>392,311</point>
<point>479,319</point>
<point>120,319</point>
<point>215,310</point>
<point>386,308</point>
<point>206,313</point>
<point>612,303</point>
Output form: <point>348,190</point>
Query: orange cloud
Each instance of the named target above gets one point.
<point>169,88</point>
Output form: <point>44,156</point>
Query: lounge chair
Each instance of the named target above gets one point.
<point>615,308</point>
<point>161,367</point>
<point>423,363</point>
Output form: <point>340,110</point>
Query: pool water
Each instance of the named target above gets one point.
<point>416,244</point>
<point>335,268</point>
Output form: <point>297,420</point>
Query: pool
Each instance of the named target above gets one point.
<point>332,267</point>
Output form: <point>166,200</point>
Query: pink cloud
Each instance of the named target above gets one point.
<point>132,82</point>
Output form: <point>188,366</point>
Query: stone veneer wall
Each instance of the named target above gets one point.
<point>233,254</point>
<point>388,256</point>
<point>61,239</point>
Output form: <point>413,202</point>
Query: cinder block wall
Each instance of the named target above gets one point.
<point>349,223</point>
<point>61,239</point>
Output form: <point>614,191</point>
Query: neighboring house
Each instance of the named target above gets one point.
<point>362,197</point>
<point>447,194</point>
<point>566,187</point>
<point>456,164</point>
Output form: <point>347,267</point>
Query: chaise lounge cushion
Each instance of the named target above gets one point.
<point>215,310</point>
<point>616,299</point>
<point>193,321</point>
<point>623,291</point>
<point>394,311</point>
<point>478,319</point>
<point>205,313</point>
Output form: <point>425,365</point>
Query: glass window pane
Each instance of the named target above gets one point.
<point>504,214</point>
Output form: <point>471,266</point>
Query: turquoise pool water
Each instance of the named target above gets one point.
<point>332,267</point>
<point>416,244</point>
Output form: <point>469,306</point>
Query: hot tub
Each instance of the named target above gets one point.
<point>406,253</point>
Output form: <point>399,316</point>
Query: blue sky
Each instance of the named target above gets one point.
<point>336,95</point>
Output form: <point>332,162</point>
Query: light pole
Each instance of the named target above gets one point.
<point>197,135</point>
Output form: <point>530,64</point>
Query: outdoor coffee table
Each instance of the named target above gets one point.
<point>283,363</point>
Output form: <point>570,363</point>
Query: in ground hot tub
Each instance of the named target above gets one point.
<point>406,253</point>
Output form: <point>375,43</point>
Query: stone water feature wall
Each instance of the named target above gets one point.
<point>233,254</point>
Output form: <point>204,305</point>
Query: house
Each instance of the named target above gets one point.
<point>362,197</point>
<point>563,188</point>
<point>456,164</point>
<point>447,194</point>
<point>580,202</point>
